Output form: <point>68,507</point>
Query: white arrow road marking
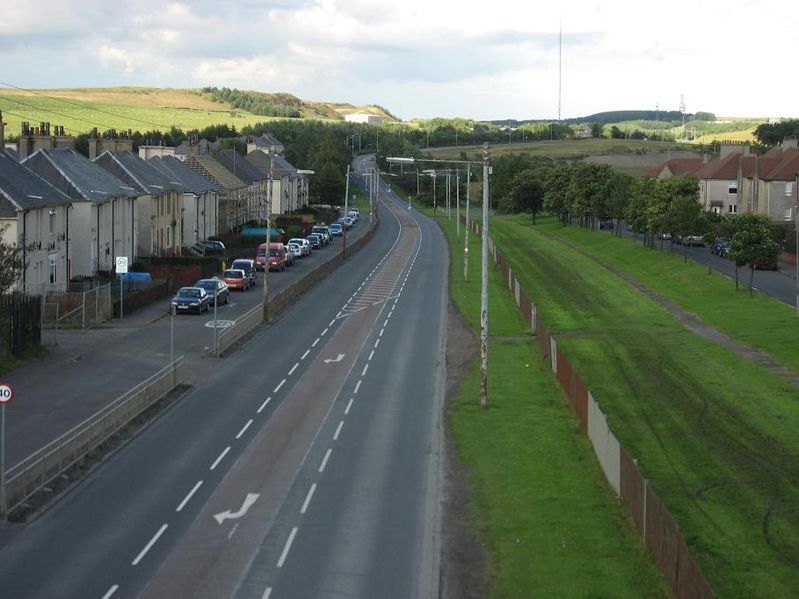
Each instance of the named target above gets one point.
<point>228,515</point>
<point>338,359</point>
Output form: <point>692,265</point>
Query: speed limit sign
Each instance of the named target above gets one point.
<point>6,393</point>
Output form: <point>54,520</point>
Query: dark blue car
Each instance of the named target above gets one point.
<point>191,299</point>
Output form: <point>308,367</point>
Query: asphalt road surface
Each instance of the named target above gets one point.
<point>306,465</point>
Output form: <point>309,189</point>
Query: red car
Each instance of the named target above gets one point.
<point>236,279</point>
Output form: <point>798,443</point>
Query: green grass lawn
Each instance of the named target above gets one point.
<point>760,322</point>
<point>553,525</point>
<point>714,432</point>
<point>80,116</point>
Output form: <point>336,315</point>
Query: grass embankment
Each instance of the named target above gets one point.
<point>552,524</point>
<point>714,432</point>
<point>120,111</point>
<point>760,322</point>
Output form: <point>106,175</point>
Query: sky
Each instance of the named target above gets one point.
<point>424,58</point>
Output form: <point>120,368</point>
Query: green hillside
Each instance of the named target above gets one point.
<point>79,110</point>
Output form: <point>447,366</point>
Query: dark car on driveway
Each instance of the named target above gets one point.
<point>720,247</point>
<point>215,285</point>
<point>191,299</point>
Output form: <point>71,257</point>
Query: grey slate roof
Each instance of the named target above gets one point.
<point>137,172</point>
<point>192,181</point>
<point>266,141</point>
<point>280,166</point>
<point>77,176</point>
<point>13,153</point>
<point>208,167</point>
<point>22,189</point>
<point>239,166</point>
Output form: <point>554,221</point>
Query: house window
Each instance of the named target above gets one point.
<point>732,189</point>
<point>789,189</point>
<point>53,262</point>
<point>716,209</point>
<point>788,214</point>
<point>733,208</point>
<point>169,237</point>
<point>51,212</point>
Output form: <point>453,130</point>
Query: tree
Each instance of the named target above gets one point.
<point>751,243</point>
<point>527,193</point>
<point>642,192</point>
<point>556,191</point>
<point>596,129</point>
<point>11,263</point>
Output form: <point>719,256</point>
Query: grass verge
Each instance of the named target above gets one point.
<point>713,431</point>
<point>553,525</point>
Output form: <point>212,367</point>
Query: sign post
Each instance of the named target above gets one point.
<point>121,269</point>
<point>6,395</point>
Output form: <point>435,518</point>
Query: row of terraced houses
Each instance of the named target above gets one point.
<point>740,181</point>
<point>73,215</point>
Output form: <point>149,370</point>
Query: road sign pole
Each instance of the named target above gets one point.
<point>216,329</point>
<point>121,285</point>
<point>3,499</point>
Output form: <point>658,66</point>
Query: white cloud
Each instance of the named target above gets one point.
<point>417,57</point>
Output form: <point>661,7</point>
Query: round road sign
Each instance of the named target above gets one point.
<point>6,393</point>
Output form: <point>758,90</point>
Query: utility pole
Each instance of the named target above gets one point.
<point>346,197</point>
<point>484,290</point>
<point>268,240</point>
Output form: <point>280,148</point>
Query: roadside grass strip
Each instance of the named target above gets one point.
<point>714,432</point>
<point>552,524</point>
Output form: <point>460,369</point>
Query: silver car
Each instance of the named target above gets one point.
<point>303,243</point>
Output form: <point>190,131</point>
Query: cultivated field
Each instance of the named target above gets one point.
<point>631,156</point>
<point>713,429</point>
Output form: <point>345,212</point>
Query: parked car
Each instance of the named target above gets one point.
<point>693,240</point>
<point>768,265</point>
<point>346,223</point>
<point>236,279</point>
<point>248,266</point>
<point>289,257</point>
<point>323,231</point>
<point>720,247</point>
<point>191,299</point>
<point>295,250</point>
<point>315,241</point>
<point>260,257</point>
<point>336,230</point>
<point>277,256</point>
<point>209,247</point>
<point>215,285</point>
<point>606,224</point>
<point>303,243</point>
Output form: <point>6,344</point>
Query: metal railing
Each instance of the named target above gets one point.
<point>243,325</point>
<point>41,467</point>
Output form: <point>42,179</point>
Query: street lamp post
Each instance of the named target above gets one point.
<point>484,290</point>
<point>484,265</point>
<point>346,197</point>
<point>468,224</point>
<point>458,204</point>
<point>268,242</point>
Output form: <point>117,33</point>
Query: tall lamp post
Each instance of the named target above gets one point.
<point>484,263</point>
<point>268,241</point>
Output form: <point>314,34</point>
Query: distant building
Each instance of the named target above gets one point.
<point>365,117</point>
